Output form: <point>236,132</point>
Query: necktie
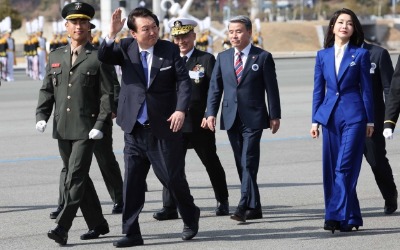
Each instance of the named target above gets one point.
<point>184,58</point>
<point>142,116</point>
<point>238,66</point>
<point>74,56</point>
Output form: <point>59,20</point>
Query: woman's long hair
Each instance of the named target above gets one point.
<point>358,35</point>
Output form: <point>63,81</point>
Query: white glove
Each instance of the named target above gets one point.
<point>95,134</point>
<point>388,133</point>
<point>41,126</point>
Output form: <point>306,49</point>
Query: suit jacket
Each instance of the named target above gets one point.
<point>393,100</point>
<point>381,73</point>
<point>247,98</point>
<point>203,63</point>
<point>169,89</point>
<point>82,94</point>
<point>351,88</point>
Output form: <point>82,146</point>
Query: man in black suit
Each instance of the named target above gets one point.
<point>154,97</point>
<point>196,134</point>
<point>375,147</point>
<point>243,77</point>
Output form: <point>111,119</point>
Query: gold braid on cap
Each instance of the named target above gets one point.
<point>76,16</point>
<point>175,31</point>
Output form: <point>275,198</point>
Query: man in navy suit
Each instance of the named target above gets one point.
<point>155,94</point>
<point>375,146</point>
<point>242,75</point>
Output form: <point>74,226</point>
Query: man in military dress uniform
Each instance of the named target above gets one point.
<point>3,57</point>
<point>196,134</point>
<point>109,167</point>
<point>42,54</point>
<point>10,56</point>
<point>80,88</point>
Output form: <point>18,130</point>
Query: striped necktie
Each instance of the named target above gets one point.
<point>238,66</point>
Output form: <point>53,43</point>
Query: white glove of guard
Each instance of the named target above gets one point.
<point>41,126</point>
<point>388,133</point>
<point>95,134</point>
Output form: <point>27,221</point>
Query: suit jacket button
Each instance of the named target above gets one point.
<point>337,93</point>
<point>71,72</point>
<point>68,97</point>
<point>69,85</point>
<point>93,115</point>
<point>68,109</point>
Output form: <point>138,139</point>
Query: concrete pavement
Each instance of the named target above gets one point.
<point>290,181</point>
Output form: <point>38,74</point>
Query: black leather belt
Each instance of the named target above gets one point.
<point>144,125</point>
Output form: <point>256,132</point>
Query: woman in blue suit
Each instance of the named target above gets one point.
<point>343,106</point>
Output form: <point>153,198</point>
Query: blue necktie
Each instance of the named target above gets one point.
<point>142,116</point>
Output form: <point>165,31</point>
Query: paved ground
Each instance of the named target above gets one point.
<point>289,180</point>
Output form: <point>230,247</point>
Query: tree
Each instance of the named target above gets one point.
<point>7,10</point>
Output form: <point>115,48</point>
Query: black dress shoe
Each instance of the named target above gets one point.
<point>117,209</point>
<point>348,228</point>
<point>222,208</point>
<point>239,214</point>
<point>390,205</point>
<point>59,235</point>
<point>129,241</point>
<point>190,231</point>
<point>331,225</point>
<point>54,214</point>
<point>166,213</point>
<point>95,233</point>
<point>254,214</point>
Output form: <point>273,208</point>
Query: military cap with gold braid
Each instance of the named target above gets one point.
<point>77,10</point>
<point>181,26</point>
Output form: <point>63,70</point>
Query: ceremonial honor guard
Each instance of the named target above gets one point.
<point>3,56</point>
<point>10,51</point>
<point>257,38</point>
<point>27,49</point>
<point>41,49</point>
<point>54,42</point>
<point>34,44</point>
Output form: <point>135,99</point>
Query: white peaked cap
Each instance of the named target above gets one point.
<point>167,29</point>
<point>206,23</point>
<point>181,26</point>
<point>40,23</point>
<point>61,27</point>
<point>54,24</point>
<point>6,24</point>
<point>126,24</point>
<point>35,25</point>
<point>257,24</point>
<point>97,23</point>
<point>201,25</point>
<point>28,27</point>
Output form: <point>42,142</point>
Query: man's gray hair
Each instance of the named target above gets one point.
<point>242,19</point>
